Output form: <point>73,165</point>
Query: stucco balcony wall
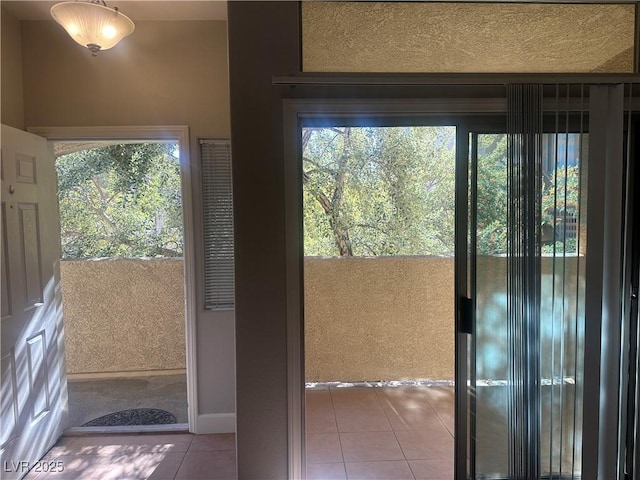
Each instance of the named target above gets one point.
<point>383,318</point>
<point>392,318</point>
<point>123,315</point>
<point>366,319</point>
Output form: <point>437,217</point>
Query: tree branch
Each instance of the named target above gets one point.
<point>98,211</point>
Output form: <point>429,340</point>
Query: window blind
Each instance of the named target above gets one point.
<point>217,209</point>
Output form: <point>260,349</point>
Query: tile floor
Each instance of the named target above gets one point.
<point>352,433</point>
<point>380,433</point>
<point>141,457</point>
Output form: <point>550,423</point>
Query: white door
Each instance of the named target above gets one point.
<point>34,386</point>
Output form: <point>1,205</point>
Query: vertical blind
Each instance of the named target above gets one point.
<point>217,209</point>
<point>524,166</point>
<point>546,249</point>
<point>562,285</point>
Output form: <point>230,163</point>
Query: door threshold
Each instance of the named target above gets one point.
<point>171,428</point>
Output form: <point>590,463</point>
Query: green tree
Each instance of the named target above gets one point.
<point>121,201</point>
<point>492,194</point>
<point>560,205</point>
<point>379,191</point>
<point>390,191</point>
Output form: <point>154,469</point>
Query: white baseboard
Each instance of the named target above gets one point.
<point>216,423</point>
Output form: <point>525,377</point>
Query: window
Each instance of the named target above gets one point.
<point>217,199</point>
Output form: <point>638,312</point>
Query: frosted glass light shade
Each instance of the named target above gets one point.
<point>92,25</point>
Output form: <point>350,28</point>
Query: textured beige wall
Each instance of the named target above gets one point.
<point>11,71</point>
<point>387,318</point>
<point>165,73</point>
<point>466,37</point>
<point>123,315</point>
<point>392,318</point>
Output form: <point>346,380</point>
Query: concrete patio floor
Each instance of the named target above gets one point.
<point>90,399</point>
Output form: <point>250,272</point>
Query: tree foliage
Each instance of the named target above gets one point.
<point>379,191</point>
<point>492,194</point>
<point>121,201</point>
<point>391,191</point>
<point>559,202</point>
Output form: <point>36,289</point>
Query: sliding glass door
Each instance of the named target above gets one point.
<point>540,369</point>
<point>538,272</point>
<point>496,348</point>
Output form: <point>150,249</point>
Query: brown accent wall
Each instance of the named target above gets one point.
<point>123,315</point>
<point>263,41</point>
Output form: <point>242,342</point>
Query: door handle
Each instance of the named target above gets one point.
<point>465,309</point>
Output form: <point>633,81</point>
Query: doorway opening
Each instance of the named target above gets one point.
<point>359,425</point>
<point>123,282</point>
<point>378,206</point>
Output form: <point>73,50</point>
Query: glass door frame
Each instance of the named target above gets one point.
<point>630,393</point>
<point>465,295</point>
<point>468,270</point>
<point>602,445</point>
<point>461,113</point>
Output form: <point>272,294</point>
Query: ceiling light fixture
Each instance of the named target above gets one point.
<point>92,24</point>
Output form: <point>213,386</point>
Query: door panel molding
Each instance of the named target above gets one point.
<point>7,308</point>
<point>34,388</point>
<point>9,399</point>
<point>30,246</point>
<point>26,169</point>
<point>38,381</point>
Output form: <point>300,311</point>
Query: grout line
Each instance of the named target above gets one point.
<point>444,425</point>
<point>180,465</point>
<point>395,436</point>
<point>335,419</point>
<point>440,418</point>
<point>184,456</point>
<point>376,390</point>
<point>193,436</point>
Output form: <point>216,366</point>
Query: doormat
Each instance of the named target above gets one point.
<point>137,416</point>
